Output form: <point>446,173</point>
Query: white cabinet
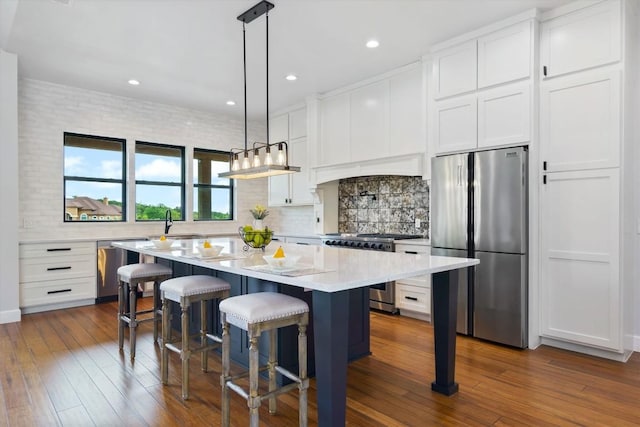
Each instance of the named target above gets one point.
<point>504,116</point>
<point>505,56</point>
<point>413,295</point>
<point>580,286</point>
<point>291,189</point>
<point>56,275</point>
<point>455,70</point>
<point>580,121</point>
<point>455,124</point>
<point>406,112</point>
<point>368,122</point>
<point>334,130</point>
<point>583,39</point>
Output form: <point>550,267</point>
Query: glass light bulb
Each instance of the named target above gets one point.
<point>256,158</point>
<point>235,165</point>
<point>281,158</point>
<point>268,159</point>
<point>245,161</point>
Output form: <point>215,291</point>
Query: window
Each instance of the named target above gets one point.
<point>212,196</point>
<point>94,178</point>
<point>159,181</point>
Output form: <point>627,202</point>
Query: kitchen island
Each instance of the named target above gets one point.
<point>330,273</point>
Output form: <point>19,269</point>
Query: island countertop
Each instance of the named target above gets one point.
<point>320,268</point>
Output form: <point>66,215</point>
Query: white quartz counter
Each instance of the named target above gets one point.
<point>335,269</point>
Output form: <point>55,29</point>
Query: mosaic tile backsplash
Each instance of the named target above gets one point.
<point>383,204</point>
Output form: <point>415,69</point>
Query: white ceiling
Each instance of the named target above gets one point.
<point>189,52</point>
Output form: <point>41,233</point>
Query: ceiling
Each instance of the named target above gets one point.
<point>189,52</point>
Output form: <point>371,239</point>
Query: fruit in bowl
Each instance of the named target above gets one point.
<point>163,242</point>
<point>279,260</point>
<point>255,238</point>
<point>207,250</point>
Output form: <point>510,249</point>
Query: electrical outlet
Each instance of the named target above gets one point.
<point>418,222</point>
<point>28,222</point>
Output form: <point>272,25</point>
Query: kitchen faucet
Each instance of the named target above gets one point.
<point>168,222</point>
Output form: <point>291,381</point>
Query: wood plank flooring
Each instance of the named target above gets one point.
<point>64,368</point>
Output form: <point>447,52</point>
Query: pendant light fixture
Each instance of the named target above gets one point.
<point>259,161</point>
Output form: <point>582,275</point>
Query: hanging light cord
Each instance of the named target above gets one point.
<point>244,65</point>
<point>267,49</point>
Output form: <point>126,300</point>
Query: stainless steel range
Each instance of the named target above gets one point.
<point>383,295</point>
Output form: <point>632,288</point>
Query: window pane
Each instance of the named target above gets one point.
<point>211,203</point>
<point>92,163</point>
<point>160,164</point>
<point>152,202</point>
<point>207,165</point>
<point>84,200</point>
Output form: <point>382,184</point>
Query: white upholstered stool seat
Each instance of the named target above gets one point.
<point>186,291</point>
<point>133,275</point>
<point>257,313</point>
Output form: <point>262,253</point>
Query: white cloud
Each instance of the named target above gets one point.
<point>159,169</point>
<point>74,165</point>
<point>111,169</point>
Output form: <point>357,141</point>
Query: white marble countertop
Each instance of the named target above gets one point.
<point>335,269</point>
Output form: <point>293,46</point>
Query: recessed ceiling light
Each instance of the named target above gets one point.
<point>373,44</point>
<point>291,77</point>
<point>231,102</point>
<point>133,82</point>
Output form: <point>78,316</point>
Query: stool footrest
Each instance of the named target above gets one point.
<point>284,372</point>
<point>178,349</point>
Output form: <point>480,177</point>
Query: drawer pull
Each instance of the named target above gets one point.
<point>411,298</point>
<point>411,252</point>
<point>58,249</point>
<point>58,268</point>
<point>59,291</point>
<point>301,243</point>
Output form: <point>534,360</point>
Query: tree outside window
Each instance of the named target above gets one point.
<point>212,196</point>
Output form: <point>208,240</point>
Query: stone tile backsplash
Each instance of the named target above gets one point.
<point>383,204</point>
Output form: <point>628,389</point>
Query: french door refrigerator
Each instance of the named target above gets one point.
<point>479,204</point>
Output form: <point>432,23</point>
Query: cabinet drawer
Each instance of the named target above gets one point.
<point>413,298</point>
<point>50,292</point>
<point>59,249</point>
<point>412,249</point>
<point>55,268</point>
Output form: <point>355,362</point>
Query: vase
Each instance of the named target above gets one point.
<point>258,224</point>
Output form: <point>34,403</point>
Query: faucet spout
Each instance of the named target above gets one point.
<point>168,221</point>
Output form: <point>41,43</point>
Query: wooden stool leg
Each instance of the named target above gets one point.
<point>226,344</point>
<point>302,373</point>
<point>166,328</point>
<point>133,295</point>
<point>254,400</point>
<point>156,307</point>
<point>121,312</point>
<point>185,354</point>
<point>272,369</point>
<point>204,358</point>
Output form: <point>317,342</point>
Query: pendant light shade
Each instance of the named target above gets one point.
<point>262,163</point>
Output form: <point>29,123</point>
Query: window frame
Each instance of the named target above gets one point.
<point>181,184</point>
<point>122,181</point>
<point>230,187</point>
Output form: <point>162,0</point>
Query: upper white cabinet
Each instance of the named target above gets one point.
<point>455,124</point>
<point>455,70</point>
<point>580,121</point>
<point>583,39</point>
<point>504,116</point>
<point>374,121</point>
<point>291,189</point>
<point>505,56</point>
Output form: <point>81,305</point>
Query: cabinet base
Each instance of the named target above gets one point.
<point>57,306</point>
<point>592,351</point>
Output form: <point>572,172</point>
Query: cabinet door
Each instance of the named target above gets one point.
<point>579,279</point>
<point>368,122</point>
<point>456,124</point>
<point>406,113</point>
<point>583,39</point>
<point>279,128</point>
<point>299,190</point>
<point>504,116</point>
<point>580,121</point>
<point>298,123</point>
<point>455,70</point>
<point>334,130</point>
<point>505,55</point>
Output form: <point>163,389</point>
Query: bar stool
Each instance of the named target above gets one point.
<point>132,275</point>
<point>256,313</point>
<point>186,291</point>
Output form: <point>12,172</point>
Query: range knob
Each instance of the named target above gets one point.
<point>359,244</point>
<point>366,245</point>
<point>376,247</point>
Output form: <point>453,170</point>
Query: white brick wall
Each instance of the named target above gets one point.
<point>48,110</point>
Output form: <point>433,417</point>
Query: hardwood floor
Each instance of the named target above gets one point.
<point>64,368</point>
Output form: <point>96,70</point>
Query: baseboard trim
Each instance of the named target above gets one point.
<point>636,343</point>
<point>10,316</point>
<point>58,306</point>
<point>606,354</point>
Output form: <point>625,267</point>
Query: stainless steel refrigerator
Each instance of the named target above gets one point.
<point>479,204</point>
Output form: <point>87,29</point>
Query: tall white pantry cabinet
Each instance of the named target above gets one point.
<point>586,191</point>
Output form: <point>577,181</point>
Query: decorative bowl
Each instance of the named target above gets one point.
<point>162,244</point>
<point>288,261</point>
<point>252,238</point>
<point>213,250</point>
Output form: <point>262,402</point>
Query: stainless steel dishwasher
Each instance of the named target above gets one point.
<point>109,260</point>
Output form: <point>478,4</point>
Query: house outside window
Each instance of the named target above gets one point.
<point>212,196</point>
<point>94,178</point>
<point>159,174</point>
